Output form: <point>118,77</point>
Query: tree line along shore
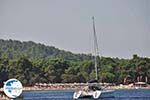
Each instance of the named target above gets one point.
<point>33,63</point>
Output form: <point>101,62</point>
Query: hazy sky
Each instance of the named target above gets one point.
<point>123,26</point>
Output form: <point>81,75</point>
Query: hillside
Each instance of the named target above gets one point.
<point>24,61</point>
<point>13,48</point>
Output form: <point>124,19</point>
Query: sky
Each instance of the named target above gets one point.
<point>122,26</point>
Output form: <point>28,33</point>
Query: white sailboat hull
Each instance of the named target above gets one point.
<point>94,94</point>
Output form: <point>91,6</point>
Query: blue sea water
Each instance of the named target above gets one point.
<point>133,94</point>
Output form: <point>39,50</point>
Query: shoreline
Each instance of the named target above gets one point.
<point>71,86</point>
<point>78,86</point>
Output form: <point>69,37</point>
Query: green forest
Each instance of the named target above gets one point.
<point>32,63</point>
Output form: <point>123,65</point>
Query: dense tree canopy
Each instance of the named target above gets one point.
<point>36,63</point>
<point>13,49</point>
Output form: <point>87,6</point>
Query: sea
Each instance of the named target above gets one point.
<point>126,94</point>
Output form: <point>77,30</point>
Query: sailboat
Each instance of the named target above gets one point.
<point>93,89</point>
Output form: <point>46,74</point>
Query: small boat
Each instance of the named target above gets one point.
<point>93,89</point>
<point>140,85</point>
<point>90,91</point>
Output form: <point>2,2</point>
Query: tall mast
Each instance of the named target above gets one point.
<point>96,53</point>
